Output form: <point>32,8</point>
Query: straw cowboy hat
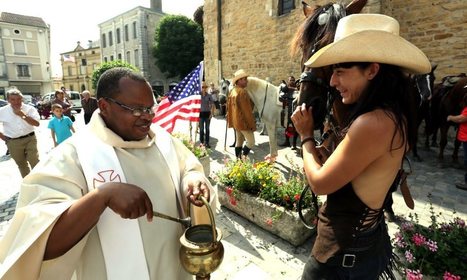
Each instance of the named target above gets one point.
<point>371,38</point>
<point>238,75</point>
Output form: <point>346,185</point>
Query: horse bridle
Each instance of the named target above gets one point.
<point>333,128</point>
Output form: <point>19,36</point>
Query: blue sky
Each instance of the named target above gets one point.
<point>72,21</point>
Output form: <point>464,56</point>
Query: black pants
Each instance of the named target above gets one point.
<point>369,263</point>
<point>87,118</point>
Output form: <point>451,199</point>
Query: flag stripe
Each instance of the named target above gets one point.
<point>183,102</point>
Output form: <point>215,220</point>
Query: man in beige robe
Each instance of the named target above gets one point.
<point>53,234</point>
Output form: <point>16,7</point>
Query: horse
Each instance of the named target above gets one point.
<point>265,96</point>
<point>224,90</point>
<point>449,104</point>
<point>421,87</point>
<point>317,31</point>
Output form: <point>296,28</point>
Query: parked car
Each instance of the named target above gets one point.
<point>3,102</point>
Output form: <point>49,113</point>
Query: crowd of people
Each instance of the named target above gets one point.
<point>94,203</point>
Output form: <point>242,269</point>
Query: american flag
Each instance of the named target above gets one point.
<point>183,102</point>
<point>67,57</point>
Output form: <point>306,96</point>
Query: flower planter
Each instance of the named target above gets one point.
<point>275,219</point>
<point>206,162</point>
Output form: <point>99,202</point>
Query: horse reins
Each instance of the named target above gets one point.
<point>264,102</point>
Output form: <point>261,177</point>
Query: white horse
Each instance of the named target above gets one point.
<point>266,98</point>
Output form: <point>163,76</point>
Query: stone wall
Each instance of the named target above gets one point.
<point>254,38</point>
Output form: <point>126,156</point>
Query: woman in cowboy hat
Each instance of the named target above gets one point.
<point>240,114</point>
<point>369,61</point>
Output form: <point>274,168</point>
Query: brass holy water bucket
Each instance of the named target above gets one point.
<point>201,250</point>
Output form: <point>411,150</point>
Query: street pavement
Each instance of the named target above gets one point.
<point>251,252</point>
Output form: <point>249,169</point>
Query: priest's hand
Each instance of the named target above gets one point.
<point>195,189</point>
<point>127,200</point>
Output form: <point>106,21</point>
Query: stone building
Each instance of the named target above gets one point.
<point>255,34</point>
<point>129,37</point>
<point>24,54</point>
<point>78,65</point>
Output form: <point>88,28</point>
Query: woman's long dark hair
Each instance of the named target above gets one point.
<point>389,90</point>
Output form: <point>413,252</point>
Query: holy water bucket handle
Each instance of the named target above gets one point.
<point>211,216</point>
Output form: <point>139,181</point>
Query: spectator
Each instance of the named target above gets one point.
<point>89,104</point>
<point>60,126</point>
<point>19,120</point>
<point>461,119</point>
<point>205,115</point>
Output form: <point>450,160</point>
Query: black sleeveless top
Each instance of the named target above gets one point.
<point>341,219</point>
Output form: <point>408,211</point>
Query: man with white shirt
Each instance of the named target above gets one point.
<point>19,120</point>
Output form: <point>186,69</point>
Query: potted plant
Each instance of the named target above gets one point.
<point>259,192</point>
<point>438,251</point>
<point>200,151</point>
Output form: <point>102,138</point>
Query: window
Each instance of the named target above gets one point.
<point>134,30</point>
<point>127,36</point>
<point>118,36</point>
<point>70,71</point>
<point>23,70</point>
<point>136,58</point>
<point>111,58</point>
<point>110,38</point>
<point>285,6</point>
<point>104,42</point>
<point>20,47</point>
<point>84,62</point>
<point>105,59</point>
<point>119,56</point>
<point>128,57</point>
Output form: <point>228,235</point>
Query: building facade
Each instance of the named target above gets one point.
<point>78,66</point>
<point>24,54</point>
<point>129,37</point>
<point>255,34</point>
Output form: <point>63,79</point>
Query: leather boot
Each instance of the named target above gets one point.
<point>246,150</point>
<point>286,143</point>
<point>238,152</point>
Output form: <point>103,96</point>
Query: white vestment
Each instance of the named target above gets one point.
<point>58,181</point>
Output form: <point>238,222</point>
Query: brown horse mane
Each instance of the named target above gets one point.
<point>311,36</point>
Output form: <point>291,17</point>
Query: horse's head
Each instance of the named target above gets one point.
<point>317,31</point>
<point>424,83</point>
<point>224,90</point>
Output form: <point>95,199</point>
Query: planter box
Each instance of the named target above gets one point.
<point>206,162</point>
<point>275,219</point>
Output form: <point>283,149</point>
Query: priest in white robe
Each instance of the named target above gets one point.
<point>85,212</point>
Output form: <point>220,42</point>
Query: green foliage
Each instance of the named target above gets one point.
<point>439,251</point>
<point>199,151</point>
<point>96,74</point>
<point>262,179</point>
<point>178,46</point>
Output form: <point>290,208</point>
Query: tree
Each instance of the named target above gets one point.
<point>178,46</point>
<point>96,74</point>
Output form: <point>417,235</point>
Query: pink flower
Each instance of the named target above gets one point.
<point>449,276</point>
<point>407,226</point>
<point>459,222</point>
<point>409,257</point>
<point>418,239</point>
<point>229,191</point>
<point>269,222</point>
<point>400,240</point>
<point>413,275</point>
<point>233,201</point>
<point>432,245</point>
<point>297,197</point>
